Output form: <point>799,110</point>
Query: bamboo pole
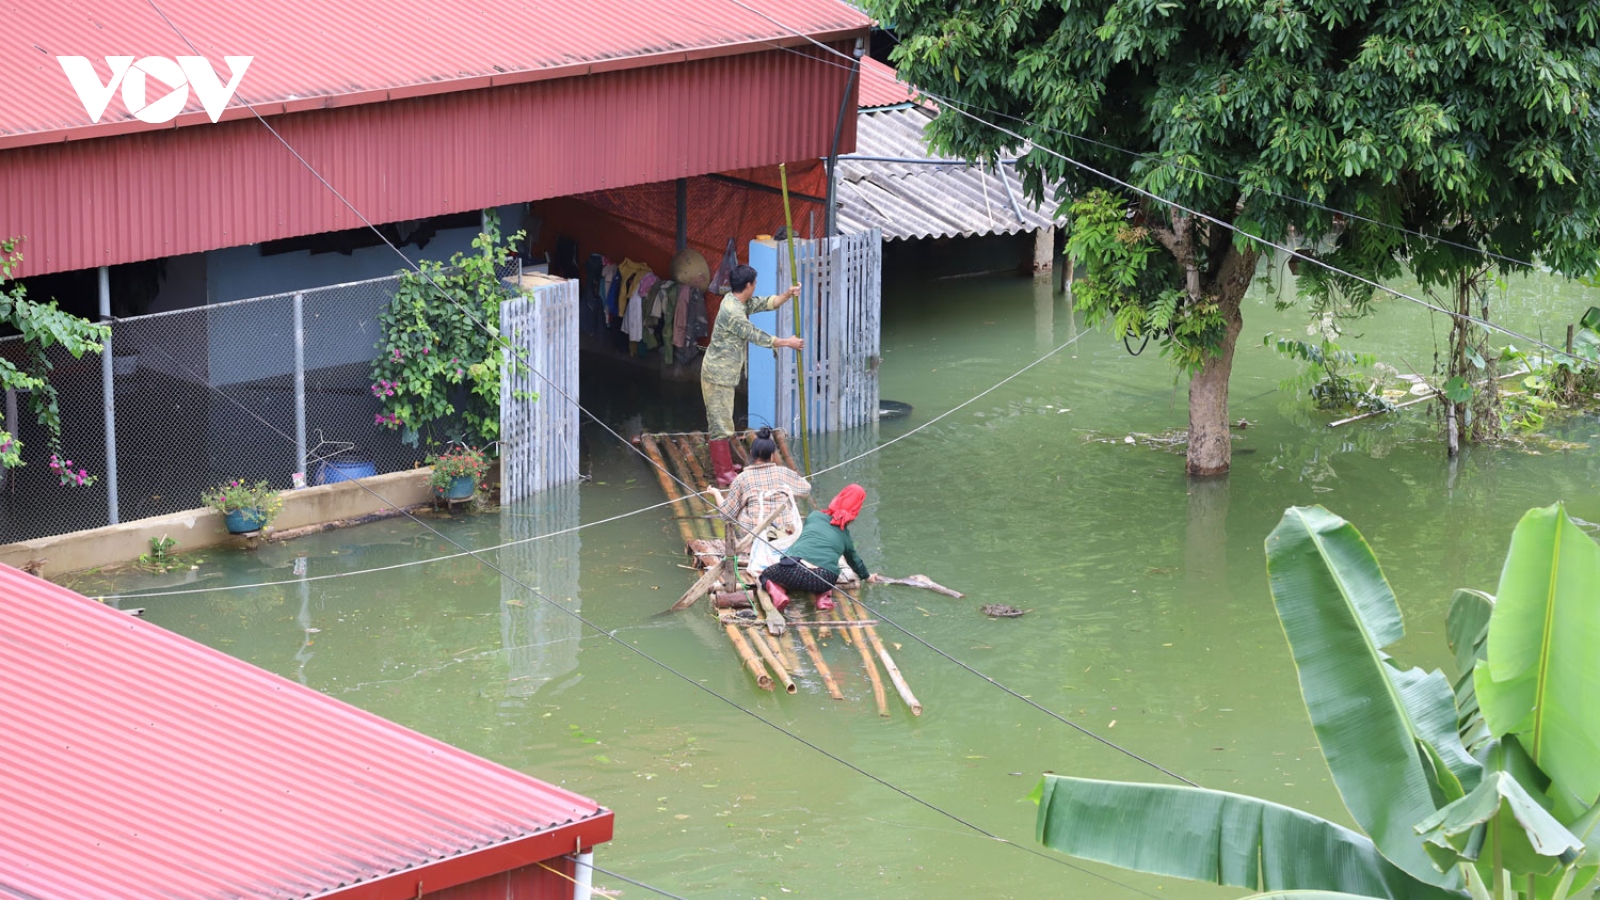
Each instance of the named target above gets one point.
<point>866,661</point>
<point>698,504</point>
<point>784,643</point>
<point>763,680</point>
<point>899,680</point>
<point>770,656</point>
<point>685,525</point>
<point>838,616</point>
<point>701,587</point>
<point>815,653</point>
<point>757,623</point>
<point>703,473</point>
<point>800,355</point>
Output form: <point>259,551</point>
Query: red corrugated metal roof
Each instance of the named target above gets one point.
<point>311,54</point>
<point>880,85</point>
<point>144,196</point>
<point>137,763</point>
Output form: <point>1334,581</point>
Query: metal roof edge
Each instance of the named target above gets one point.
<point>481,862</point>
<point>427,89</point>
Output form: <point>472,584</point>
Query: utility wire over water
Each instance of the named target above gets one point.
<point>610,635</point>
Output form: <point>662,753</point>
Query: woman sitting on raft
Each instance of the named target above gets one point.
<point>808,564</point>
<point>762,484</point>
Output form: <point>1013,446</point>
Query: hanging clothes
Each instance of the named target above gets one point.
<point>719,278</point>
<point>633,317</point>
<point>631,274</point>
<point>609,294</point>
<point>680,317</point>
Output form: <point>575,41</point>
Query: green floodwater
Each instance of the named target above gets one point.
<point>1150,622</point>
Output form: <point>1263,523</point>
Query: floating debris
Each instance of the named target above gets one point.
<point>1001,611</point>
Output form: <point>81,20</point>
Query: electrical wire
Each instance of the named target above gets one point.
<point>888,79</point>
<point>552,386</point>
<point>578,616</point>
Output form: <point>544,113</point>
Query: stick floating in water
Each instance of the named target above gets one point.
<point>922,581</point>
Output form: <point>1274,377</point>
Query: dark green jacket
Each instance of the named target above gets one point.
<point>821,543</point>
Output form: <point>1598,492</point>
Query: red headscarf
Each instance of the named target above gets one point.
<point>846,505</point>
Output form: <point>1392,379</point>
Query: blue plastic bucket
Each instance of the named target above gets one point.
<point>336,470</point>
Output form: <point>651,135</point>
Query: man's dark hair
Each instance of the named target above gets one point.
<point>741,277</point>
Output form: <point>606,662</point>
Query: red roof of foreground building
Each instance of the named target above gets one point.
<point>310,54</point>
<point>135,763</point>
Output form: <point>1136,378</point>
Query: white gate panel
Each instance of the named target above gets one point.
<point>539,437</point>
<point>840,308</point>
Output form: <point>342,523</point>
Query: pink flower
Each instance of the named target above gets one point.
<point>424,351</point>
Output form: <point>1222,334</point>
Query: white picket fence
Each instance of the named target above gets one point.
<point>539,437</point>
<point>841,319</point>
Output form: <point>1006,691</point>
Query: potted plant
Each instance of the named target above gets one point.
<point>457,472</point>
<point>247,507</point>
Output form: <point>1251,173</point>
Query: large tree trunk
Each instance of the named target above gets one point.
<point>1210,441</point>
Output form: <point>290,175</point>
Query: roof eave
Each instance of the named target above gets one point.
<point>426,89</point>
<point>483,862</point>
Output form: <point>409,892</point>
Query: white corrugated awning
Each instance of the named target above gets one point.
<point>927,198</point>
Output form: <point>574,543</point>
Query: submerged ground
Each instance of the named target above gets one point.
<point>1150,620</point>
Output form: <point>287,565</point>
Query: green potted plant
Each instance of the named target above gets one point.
<point>247,507</point>
<point>458,472</point>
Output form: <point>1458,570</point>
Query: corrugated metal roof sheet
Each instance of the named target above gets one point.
<point>921,200</point>
<point>880,85</point>
<point>311,54</point>
<point>143,196</point>
<point>138,763</point>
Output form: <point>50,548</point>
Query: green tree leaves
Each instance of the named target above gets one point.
<point>42,326</point>
<point>438,373</point>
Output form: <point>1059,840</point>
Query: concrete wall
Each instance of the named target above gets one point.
<point>197,529</point>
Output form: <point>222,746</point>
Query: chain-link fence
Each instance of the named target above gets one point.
<point>205,395</point>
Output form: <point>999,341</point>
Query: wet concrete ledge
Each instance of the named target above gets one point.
<point>198,529</point>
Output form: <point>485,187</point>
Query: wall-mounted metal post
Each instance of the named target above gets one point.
<point>682,187</point>
<point>108,400</point>
<point>300,385</point>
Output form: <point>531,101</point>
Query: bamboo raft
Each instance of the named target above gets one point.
<point>763,638</point>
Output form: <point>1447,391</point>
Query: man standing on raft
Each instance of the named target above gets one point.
<point>723,365</point>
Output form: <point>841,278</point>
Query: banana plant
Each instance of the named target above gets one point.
<point>1485,787</point>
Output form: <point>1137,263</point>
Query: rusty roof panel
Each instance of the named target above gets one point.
<point>140,763</point>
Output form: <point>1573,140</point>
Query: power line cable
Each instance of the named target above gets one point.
<point>578,616</point>
<point>1135,153</point>
<point>471,316</point>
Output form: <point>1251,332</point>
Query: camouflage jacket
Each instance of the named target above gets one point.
<point>724,360</point>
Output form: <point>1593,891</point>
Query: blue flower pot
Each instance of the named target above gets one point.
<point>336,470</point>
<point>461,487</point>
<point>244,521</point>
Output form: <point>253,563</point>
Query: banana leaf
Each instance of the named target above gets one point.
<point>1431,704</point>
<point>1215,836</point>
<point>1500,819</point>
<point>1338,612</point>
<point>1540,681</point>
<point>1467,627</point>
<point>1305,895</point>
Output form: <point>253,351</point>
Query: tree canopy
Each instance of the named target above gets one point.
<point>1472,121</point>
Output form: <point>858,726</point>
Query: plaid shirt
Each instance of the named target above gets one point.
<point>757,488</point>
